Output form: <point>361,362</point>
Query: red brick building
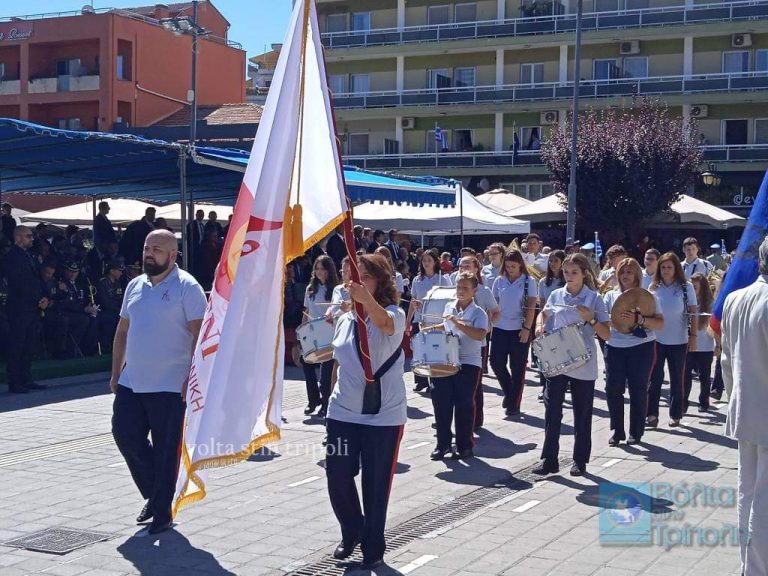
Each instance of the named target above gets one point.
<point>92,69</point>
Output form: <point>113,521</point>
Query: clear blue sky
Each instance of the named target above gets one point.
<point>255,23</point>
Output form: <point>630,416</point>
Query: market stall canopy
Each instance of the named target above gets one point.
<point>502,200</point>
<point>687,210</point>
<point>122,211</point>
<point>37,159</point>
<point>439,221</point>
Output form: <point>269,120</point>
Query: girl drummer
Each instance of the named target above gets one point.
<point>576,303</point>
<point>704,353</point>
<point>316,301</point>
<point>340,293</point>
<point>428,277</point>
<point>516,293</point>
<point>485,300</point>
<point>629,357</point>
<point>396,276</point>
<point>678,305</point>
<point>359,434</point>
<point>551,281</point>
<point>453,397</point>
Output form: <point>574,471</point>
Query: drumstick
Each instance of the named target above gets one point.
<point>428,328</point>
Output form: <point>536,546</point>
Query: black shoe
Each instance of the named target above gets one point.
<point>323,411</point>
<point>344,550</point>
<point>160,526</point>
<point>716,394</point>
<point>144,515</point>
<point>325,440</point>
<point>674,422</point>
<point>310,409</point>
<point>372,564</point>
<point>540,396</point>
<point>578,469</point>
<point>438,453</point>
<point>18,390</point>
<point>615,440</point>
<point>462,454</point>
<point>632,440</point>
<point>35,386</point>
<point>652,422</point>
<point>703,408</point>
<point>512,411</point>
<point>420,387</point>
<point>547,467</point>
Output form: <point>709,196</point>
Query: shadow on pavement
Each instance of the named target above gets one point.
<point>474,472</point>
<point>55,393</point>
<point>671,459</point>
<point>168,553</point>
<point>353,569</point>
<point>608,495</point>
<point>417,413</point>
<point>489,445</point>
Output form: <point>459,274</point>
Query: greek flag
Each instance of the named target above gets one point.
<point>744,270</point>
<point>441,138</point>
<point>598,247</point>
<point>723,251</point>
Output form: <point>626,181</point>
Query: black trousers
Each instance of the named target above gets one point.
<point>718,384</point>
<point>628,368</point>
<point>420,381</point>
<point>24,341</point>
<point>479,397</point>
<point>154,466</point>
<point>674,356</point>
<point>374,449</point>
<point>582,399</point>
<point>506,349</point>
<point>318,394</point>
<point>702,361</point>
<point>454,398</point>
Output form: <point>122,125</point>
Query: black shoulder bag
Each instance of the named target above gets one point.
<point>372,392</point>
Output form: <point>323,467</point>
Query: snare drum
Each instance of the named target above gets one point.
<point>561,350</point>
<point>435,354</point>
<point>316,338</point>
<point>433,304</point>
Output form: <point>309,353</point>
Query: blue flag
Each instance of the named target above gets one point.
<point>744,269</point>
<point>598,247</point>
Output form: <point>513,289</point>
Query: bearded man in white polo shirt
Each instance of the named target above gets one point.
<point>151,356</point>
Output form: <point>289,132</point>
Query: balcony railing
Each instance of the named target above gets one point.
<point>523,158</point>
<point>700,83</point>
<point>10,87</point>
<point>640,18</point>
<point>64,83</point>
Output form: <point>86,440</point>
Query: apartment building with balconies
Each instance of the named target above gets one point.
<point>496,75</point>
<point>93,69</point>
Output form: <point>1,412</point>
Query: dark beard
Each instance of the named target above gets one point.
<point>155,269</point>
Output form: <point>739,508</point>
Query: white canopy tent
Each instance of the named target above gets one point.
<point>502,200</point>
<point>121,212</point>
<point>439,220</point>
<point>687,210</point>
<point>172,213</point>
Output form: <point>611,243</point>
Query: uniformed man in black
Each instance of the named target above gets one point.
<point>77,313</point>
<point>26,300</point>
<point>109,296</point>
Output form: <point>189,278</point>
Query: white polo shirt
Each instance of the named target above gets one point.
<point>340,294</point>
<point>647,279</point>
<point>676,317</point>
<point>560,314</point>
<point>510,296</point>
<point>489,273</point>
<point>697,266</point>
<point>619,339</point>
<point>346,403</point>
<point>545,291</point>
<point>158,354</point>
<point>470,350</point>
<point>313,303</point>
<point>539,261</point>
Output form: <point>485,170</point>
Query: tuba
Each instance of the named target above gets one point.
<point>533,272</point>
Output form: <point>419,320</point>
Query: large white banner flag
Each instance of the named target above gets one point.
<point>235,384</point>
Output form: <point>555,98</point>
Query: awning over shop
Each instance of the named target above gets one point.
<point>37,159</point>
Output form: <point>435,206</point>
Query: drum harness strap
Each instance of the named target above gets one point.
<point>372,392</point>
<point>683,287</point>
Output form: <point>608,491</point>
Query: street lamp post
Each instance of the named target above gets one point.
<point>570,227</point>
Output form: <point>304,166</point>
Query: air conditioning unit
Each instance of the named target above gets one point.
<point>630,47</point>
<point>741,40</point>
<point>549,117</point>
<point>699,111</point>
<point>408,123</point>
<point>87,9</point>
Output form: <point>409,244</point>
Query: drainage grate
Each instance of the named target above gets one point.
<point>55,449</point>
<point>429,524</point>
<point>58,540</point>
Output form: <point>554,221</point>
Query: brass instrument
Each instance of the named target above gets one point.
<point>715,279</point>
<point>533,272</point>
<point>92,299</point>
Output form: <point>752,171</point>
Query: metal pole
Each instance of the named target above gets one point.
<point>570,228</point>
<point>460,192</point>
<point>190,253</point>
<point>183,201</point>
